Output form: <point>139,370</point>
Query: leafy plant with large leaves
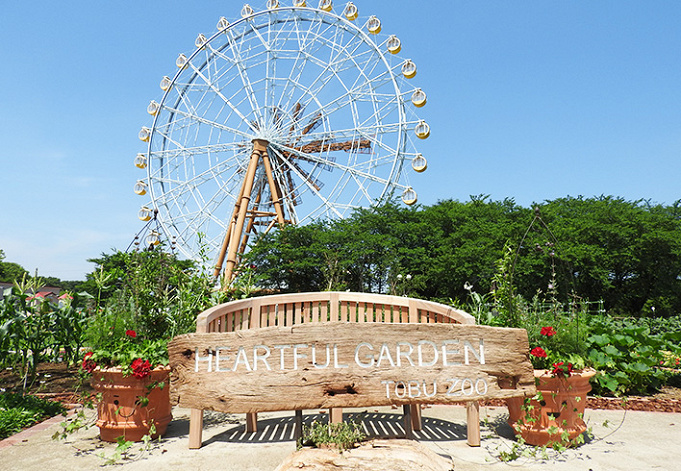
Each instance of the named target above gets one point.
<point>629,356</point>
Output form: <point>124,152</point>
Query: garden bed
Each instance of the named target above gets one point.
<point>667,400</point>
<point>54,381</point>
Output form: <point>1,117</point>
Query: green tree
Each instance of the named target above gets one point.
<point>468,240</point>
<point>10,271</point>
<point>627,254</point>
<point>364,252</point>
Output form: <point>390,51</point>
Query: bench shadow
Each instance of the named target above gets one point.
<point>375,425</point>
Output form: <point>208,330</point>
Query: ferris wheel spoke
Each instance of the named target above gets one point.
<point>236,62</point>
<point>176,166</point>
<point>296,71</point>
<point>352,133</point>
<point>353,95</point>
<point>281,150</point>
<point>323,78</point>
<point>295,169</point>
<point>177,188</point>
<point>211,123</point>
<point>246,83</point>
<point>191,86</point>
<point>219,94</point>
<point>206,209</point>
<point>197,213</point>
<point>167,137</point>
<point>256,32</point>
<point>197,150</point>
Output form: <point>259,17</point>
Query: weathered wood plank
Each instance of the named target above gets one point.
<point>325,365</point>
<point>344,309</point>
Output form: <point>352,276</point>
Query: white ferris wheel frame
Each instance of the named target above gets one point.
<point>337,134</point>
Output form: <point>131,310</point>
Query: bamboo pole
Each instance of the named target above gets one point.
<point>259,148</point>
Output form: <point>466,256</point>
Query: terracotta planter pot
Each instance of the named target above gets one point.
<point>119,413</point>
<point>561,410</point>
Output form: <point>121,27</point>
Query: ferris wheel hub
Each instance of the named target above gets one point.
<point>267,134</point>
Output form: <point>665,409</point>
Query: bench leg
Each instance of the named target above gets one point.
<point>251,422</point>
<point>415,416</point>
<point>195,428</point>
<point>408,422</point>
<point>298,429</point>
<point>473,423</point>
<point>335,415</point>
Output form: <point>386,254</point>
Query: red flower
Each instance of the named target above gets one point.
<point>538,352</point>
<point>140,368</point>
<point>548,331</point>
<point>88,365</point>
<point>131,333</point>
<point>561,370</point>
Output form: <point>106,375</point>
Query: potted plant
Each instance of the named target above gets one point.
<point>130,377</point>
<point>554,416</point>
<point>143,300</point>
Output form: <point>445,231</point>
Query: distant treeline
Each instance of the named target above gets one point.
<point>625,253</point>
<point>11,272</point>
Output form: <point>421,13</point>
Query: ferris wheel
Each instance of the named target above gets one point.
<point>286,115</point>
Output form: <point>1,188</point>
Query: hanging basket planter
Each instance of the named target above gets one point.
<point>555,414</point>
<point>121,409</point>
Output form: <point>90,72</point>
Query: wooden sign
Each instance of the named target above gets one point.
<point>338,364</point>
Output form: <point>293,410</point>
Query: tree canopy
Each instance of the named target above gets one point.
<point>626,253</point>
<point>10,271</point>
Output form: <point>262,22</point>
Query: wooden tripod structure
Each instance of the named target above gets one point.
<point>236,237</point>
<point>244,216</point>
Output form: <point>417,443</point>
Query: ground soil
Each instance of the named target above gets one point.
<point>668,399</point>
<point>55,381</point>
<point>58,382</point>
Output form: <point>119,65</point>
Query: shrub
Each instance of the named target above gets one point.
<point>342,435</point>
<point>18,412</point>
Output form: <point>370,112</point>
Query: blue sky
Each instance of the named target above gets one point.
<point>532,100</point>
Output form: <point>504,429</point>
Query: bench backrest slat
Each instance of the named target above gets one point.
<point>299,308</point>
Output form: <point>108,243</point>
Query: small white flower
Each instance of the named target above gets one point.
<point>408,277</point>
<point>467,286</point>
<point>399,277</point>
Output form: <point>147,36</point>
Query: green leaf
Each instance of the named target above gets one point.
<point>608,382</point>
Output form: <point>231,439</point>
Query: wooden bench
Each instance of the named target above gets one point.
<point>284,313</point>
